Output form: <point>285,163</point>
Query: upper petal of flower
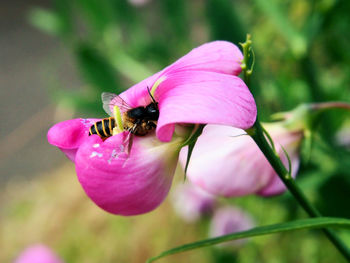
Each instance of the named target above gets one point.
<point>203,97</point>
<point>218,56</point>
<point>127,185</point>
<point>198,88</point>
<point>69,135</point>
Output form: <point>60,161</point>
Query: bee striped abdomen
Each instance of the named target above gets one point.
<point>103,128</point>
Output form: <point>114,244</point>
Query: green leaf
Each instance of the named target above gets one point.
<point>310,223</point>
<point>46,21</point>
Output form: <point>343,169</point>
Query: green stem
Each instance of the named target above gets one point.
<point>258,136</point>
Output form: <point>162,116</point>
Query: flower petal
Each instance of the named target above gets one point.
<point>126,186</point>
<point>227,162</point>
<point>225,165</point>
<point>203,97</point>
<point>69,135</point>
<point>218,56</point>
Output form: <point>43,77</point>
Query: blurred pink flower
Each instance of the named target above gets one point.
<point>228,220</point>
<point>226,162</point>
<point>343,136</point>
<point>38,254</point>
<point>198,88</point>
<point>191,203</point>
<point>139,2</point>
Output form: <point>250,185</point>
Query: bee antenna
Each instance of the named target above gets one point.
<point>149,92</point>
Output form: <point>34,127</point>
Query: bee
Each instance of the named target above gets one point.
<point>103,128</point>
<point>138,121</point>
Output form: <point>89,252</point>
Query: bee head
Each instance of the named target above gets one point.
<point>152,111</point>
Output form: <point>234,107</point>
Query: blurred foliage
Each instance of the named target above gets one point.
<point>53,209</point>
<point>302,55</point>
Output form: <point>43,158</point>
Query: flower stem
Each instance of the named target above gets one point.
<point>256,132</point>
<point>330,105</point>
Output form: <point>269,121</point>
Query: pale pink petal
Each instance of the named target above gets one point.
<point>126,186</point>
<point>203,97</point>
<point>218,56</point>
<point>225,165</point>
<point>69,135</point>
<point>227,162</point>
<point>37,254</point>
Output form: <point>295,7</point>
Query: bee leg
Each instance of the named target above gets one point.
<point>125,146</point>
<point>131,138</point>
<point>151,125</point>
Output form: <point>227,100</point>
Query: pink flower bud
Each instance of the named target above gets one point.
<point>226,161</point>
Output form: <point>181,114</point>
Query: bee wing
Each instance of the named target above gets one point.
<point>110,100</point>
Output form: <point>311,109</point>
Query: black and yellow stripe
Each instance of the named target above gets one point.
<point>103,128</point>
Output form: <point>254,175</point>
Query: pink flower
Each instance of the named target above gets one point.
<point>343,136</point>
<point>139,2</point>
<point>198,88</point>
<point>38,254</point>
<point>226,162</point>
<point>191,202</point>
<point>228,220</point>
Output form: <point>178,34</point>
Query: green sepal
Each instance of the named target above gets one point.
<point>191,142</point>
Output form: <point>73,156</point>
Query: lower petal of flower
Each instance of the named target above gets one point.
<point>127,184</point>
